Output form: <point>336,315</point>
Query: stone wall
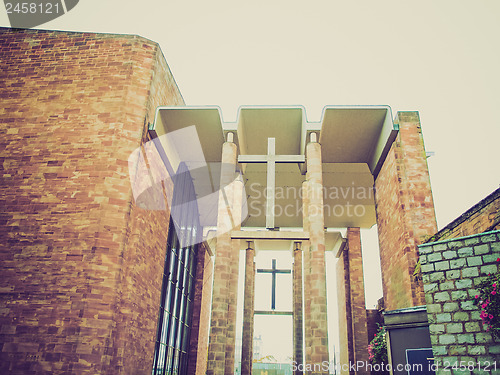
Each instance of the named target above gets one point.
<point>482,217</point>
<point>80,263</point>
<point>405,213</point>
<point>451,270</point>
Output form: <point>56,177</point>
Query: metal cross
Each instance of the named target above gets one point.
<point>271,159</point>
<point>273,271</point>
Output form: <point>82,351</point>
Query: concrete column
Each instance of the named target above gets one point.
<point>222,266</point>
<point>357,291</point>
<point>248,312</point>
<point>233,280</point>
<point>318,327</point>
<point>298,329</point>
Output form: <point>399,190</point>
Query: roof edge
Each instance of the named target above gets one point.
<point>5,29</point>
<point>466,215</point>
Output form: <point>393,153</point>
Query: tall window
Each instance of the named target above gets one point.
<point>174,322</point>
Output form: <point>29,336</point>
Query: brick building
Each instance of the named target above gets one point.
<point>96,279</point>
<point>81,264</point>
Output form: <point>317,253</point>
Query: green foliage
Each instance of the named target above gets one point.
<point>488,300</point>
<point>377,349</point>
<point>417,272</point>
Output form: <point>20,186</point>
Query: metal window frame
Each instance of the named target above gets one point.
<point>175,312</point>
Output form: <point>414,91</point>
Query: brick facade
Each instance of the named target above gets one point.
<point>405,218</point>
<point>374,319</point>
<point>451,270</point>
<point>198,347</point>
<point>358,305</point>
<point>346,353</point>
<point>353,324</point>
<point>248,311</point>
<point>81,263</point>
<point>405,213</point>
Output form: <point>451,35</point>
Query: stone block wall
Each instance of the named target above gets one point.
<point>80,263</point>
<point>405,213</point>
<point>451,271</point>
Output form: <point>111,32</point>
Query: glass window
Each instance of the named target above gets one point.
<point>174,318</point>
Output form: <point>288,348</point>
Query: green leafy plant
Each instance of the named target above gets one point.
<point>417,272</point>
<point>488,300</point>
<point>377,349</point>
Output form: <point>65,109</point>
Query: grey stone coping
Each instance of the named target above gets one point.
<point>459,238</point>
<point>406,317</point>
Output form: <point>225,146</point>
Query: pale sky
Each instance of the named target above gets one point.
<point>441,58</point>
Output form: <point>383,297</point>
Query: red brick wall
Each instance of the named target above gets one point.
<point>405,213</point>
<point>358,305</point>
<point>353,333</point>
<point>373,317</point>
<point>206,300</point>
<point>145,245</point>
<point>80,263</point>
<point>198,348</point>
<point>344,313</point>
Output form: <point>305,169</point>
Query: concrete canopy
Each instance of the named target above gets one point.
<point>357,135</point>
<point>355,141</point>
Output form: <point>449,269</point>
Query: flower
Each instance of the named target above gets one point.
<point>488,301</point>
<point>377,348</point>
<point>498,259</point>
